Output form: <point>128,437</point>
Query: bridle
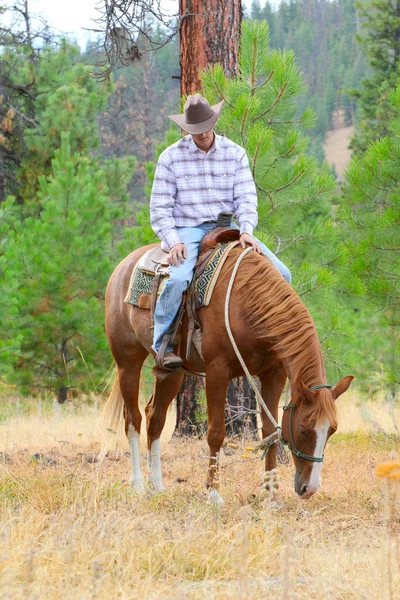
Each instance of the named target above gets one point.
<point>293,449</point>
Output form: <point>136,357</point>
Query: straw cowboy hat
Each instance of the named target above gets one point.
<point>198,116</point>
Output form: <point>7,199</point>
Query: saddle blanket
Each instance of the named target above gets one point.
<point>141,282</point>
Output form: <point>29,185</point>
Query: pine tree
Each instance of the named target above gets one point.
<point>256,11</point>
<point>321,35</point>
<point>372,220</point>
<point>66,99</point>
<point>59,263</point>
<point>9,342</point>
<point>380,41</point>
<point>58,95</point>
<point>259,114</point>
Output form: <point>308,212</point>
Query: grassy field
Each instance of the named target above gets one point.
<point>71,528</point>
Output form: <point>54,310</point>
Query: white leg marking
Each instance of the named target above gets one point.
<point>321,432</point>
<point>136,479</point>
<point>214,497</point>
<point>154,463</point>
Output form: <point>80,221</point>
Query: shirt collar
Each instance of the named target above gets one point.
<point>216,145</point>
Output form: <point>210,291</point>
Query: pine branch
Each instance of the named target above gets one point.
<point>281,92</point>
<point>258,87</point>
<point>284,187</point>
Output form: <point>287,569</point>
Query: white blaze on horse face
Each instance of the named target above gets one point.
<point>134,445</point>
<point>321,432</point>
<point>154,464</point>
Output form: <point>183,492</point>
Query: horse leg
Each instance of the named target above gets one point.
<point>129,377</point>
<point>156,412</point>
<point>216,389</point>
<point>272,385</point>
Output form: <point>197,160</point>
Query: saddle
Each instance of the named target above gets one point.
<point>155,262</point>
<point>153,270</point>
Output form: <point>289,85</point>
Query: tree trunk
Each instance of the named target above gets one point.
<point>191,408</point>
<point>209,34</point>
<point>241,418</point>
<point>62,395</point>
<point>191,412</point>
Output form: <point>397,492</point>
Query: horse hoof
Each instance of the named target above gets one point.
<point>215,498</point>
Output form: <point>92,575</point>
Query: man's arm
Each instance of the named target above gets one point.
<point>245,196</point>
<point>162,203</point>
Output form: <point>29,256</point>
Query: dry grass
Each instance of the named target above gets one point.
<point>71,529</point>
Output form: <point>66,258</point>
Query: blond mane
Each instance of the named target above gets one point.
<point>275,314</point>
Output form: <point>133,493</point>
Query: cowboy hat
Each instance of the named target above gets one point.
<point>198,116</point>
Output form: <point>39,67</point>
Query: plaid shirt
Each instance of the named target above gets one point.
<point>192,186</point>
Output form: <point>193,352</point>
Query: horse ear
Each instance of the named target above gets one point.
<point>342,386</point>
<point>306,393</point>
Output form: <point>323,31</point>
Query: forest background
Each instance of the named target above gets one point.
<point>77,157</point>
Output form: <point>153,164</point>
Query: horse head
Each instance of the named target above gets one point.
<point>307,424</point>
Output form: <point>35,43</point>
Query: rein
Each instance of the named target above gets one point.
<point>271,439</point>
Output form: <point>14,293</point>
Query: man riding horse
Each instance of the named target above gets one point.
<point>258,326</point>
<point>198,177</point>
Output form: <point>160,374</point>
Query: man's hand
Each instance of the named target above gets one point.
<point>177,255</point>
<point>245,238</point>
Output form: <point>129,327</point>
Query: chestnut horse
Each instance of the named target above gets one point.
<point>276,338</point>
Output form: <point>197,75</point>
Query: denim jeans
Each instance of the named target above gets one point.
<point>181,276</point>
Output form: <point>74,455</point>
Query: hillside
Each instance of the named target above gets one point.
<point>336,144</point>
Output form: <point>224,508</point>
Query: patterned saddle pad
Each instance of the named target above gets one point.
<point>141,281</point>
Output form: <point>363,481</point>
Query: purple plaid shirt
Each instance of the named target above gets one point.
<point>191,187</point>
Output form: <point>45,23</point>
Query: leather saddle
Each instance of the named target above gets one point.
<point>155,260</point>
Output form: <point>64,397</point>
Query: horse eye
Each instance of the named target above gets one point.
<point>303,431</point>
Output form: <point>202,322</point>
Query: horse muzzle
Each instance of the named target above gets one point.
<point>305,487</point>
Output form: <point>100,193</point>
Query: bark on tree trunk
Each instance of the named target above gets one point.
<point>209,34</point>
<point>190,417</point>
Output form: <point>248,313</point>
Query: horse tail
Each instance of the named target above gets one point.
<point>112,419</point>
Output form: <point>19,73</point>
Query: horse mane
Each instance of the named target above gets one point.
<point>274,313</point>
<point>323,406</point>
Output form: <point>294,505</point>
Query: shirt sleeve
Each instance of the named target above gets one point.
<point>162,203</point>
<point>245,196</point>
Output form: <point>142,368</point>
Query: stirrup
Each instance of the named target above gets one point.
<point>161,352</point>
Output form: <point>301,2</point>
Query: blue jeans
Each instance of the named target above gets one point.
<point>180,278</point>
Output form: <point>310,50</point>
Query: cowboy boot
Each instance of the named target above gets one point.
<point>172,361</point>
